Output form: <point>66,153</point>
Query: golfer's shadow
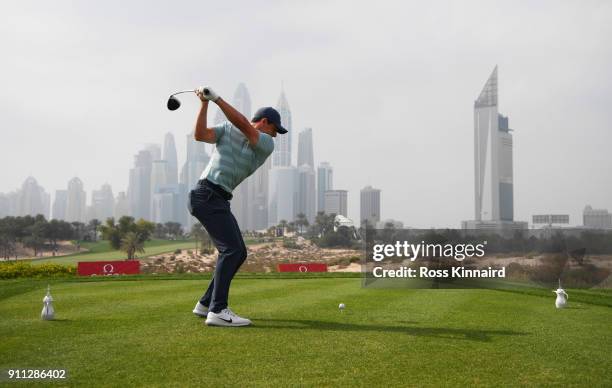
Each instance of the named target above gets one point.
<point>407,328</point>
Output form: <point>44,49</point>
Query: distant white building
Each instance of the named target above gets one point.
<point>59,204</point>
<point>283,195</point>
<point>122,206</point>
<point>159,178</point>
<point>325,182</point>
<point>305,148</point>
<point>493,174</point>
<point>103,203</point>
<point>76,210</point>
<point>336,202</point>
<point>170,157</point>
<point>306,192</point>
<point>33,199</point>
<point>139,187</point>
<point>596,218</point>
<point>370,205</point>
<point>281,157</point>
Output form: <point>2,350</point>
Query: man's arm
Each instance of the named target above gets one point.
<point>239,121</point>
<point>202,132</point>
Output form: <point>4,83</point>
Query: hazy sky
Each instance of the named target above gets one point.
<point>388,88</point>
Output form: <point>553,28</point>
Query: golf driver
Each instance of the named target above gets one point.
<point>174,103</point>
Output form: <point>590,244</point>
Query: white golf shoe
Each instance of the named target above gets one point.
<point>226,317</point>
<point>200,310</point>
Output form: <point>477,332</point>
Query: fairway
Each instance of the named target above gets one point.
<point>142,333</point>
<point>102,250</point>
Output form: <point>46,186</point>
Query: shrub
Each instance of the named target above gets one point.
<point>178,251</point>
<point>13,270</point>
<point>289,244</point>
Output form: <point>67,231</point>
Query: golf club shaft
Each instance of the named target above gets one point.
<point>184,91</point>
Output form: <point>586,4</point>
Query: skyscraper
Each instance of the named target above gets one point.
<point>170,157</point>
<point>154,150</point>
<point>306,192</point>
<point>282,144</point>
<point>260,189</point>
<point>139,189</point>
<point>493,175</point>
<point>33,199</point>
<point>122,206</point>
<point>325,181</point>
<point>159,169</point>
<point>59,204</point>
<point>336,202</point>
<point>370,205</point>
<point>305,151</point>
<point>76,201</point>
<point>283,195</point>
<point>103,203</point>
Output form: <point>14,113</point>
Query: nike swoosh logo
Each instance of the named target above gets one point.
<point>226,320</point>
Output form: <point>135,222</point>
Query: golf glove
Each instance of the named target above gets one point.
<point>206,93</point>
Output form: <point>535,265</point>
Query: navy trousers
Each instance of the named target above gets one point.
<point>209,203</point>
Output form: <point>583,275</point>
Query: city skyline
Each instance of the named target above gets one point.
<point>414,121</point>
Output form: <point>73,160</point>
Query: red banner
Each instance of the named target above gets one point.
<point>93,268</point>
<point>303,267</point>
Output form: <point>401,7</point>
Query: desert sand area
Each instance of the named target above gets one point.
<point>261,258</point>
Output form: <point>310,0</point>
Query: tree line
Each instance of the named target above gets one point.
<point>40,234</point>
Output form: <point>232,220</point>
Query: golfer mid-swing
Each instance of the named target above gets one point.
<point>241,147</point>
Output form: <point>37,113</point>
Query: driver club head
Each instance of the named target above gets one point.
<point>173,103</point>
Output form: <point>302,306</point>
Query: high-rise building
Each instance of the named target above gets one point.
<point>283,195</point>
<point>76,201</point>
<point>493,175</point>
<point>306,192</point>
<point>281,156</point>
<point>102,203</point>
<point>170,157</point>
<point>325,182</point>
<point>260,189</point>
<point>59,204</point>
<point>492,157</point>
<point>370,205</point>
<point>154,150</point>
<point>14,200</point>
<point>159,169</point>
<point>139,188</point>
<point>596,218</point>
<point>305,148</point>
<point>122,205</point>
<point>336,202</point>
<point>33,199</point>
<point>244,192</point>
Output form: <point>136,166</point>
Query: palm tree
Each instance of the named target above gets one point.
<point>131,244</point>
<point>301,222</point>
<point>93,227</point>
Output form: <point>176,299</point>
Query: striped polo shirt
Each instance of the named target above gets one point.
<point>234,159</point>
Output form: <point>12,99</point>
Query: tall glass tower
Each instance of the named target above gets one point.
<point>282,147</point>
<point>493,174</point>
